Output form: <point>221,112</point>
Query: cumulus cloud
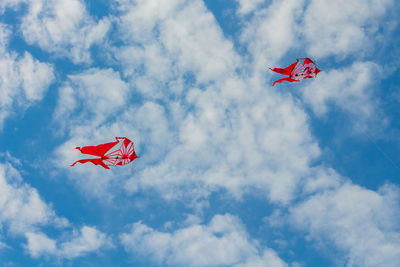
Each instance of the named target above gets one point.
<point>360,222</point>
<point>271,32</point>
<point>351,89</point>
<point>218,126</point>
<point>39,243</point>
<point>225,131</point>
<point>96,94</point>
<point>341,28</point>
<point>23,79</point>
<point>222,242</point>
<point>322,30</point>
<point>24,213</point>
<point>207,121</point>
<point>11,4</point>
<point>64,28</point>
<point>21,207</point>
<point>88,102</point>
<point>247,6</point>
<point>221,131</point>
<point>170,46</point>
<point>88,239</point>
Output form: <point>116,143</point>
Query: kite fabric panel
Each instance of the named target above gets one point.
<point>121,152</point>
<point>303,68</point>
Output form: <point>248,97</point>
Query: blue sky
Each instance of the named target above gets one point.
<point>232,171</point>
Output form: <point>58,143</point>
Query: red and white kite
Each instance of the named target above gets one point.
<point>120,152</point>
<point>303,68</point>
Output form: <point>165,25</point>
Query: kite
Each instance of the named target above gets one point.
<point>303,68</point>
<point>124,153</point>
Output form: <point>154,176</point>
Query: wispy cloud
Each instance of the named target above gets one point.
<point>24,213</point>
<point>88,240</point>
<point>360,222</point>
<point>23,80</point>
<point>63,28</point>
<point>247,6</point>
<point>206,119</point>
<point>223,241</point>
<point>90,97</point>
<point>21,207</point>
<point>340,29</point>
<point>352,89</point>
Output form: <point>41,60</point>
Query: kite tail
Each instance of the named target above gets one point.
<point>284,79</point>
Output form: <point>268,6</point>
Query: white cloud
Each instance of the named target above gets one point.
<point>64,28</point>
<point>350,89</point>
<point>272,32</point>
<point>170,46</point>
<point>340,29</point>
<point>95,93</point>
<point>360,222</point>
<point>267,257</point>
<point>322,29</point>
<point>322,178</point>
<point>88,102</point>
<point>263,145</point>
<point>204,127</point>
<point>4,38</point>
<point>21,207</point>
<point>88,240</point>
<point>23,80</point>
<point>10,4</point>
<point>215,130</point>
<point>186,39</point>
<point>139,18</point>
<point>39,243</point>
<point>36,77</point>
<point>247,6</point>
<point>226,122</point>
<point>222,242</point>
<point>24,213</point>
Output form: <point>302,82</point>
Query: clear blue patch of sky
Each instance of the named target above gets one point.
<point>224,12</point>
<point>365,160</point>
<point>13,254</point>
<point>98,8</point>
<point>12,16</point>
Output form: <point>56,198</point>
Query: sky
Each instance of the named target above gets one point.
<point>232,171</point>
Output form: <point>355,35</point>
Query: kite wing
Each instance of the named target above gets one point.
<point>98,150</point>
<point>303,68</point>
<point>123,154</point>
<point>287,70</point>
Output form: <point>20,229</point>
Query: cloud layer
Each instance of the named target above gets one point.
<point>197,101</point>
<point>361,222</point>
<point>223,242</point>
<point>24,213</point>
<point>23,80</point>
